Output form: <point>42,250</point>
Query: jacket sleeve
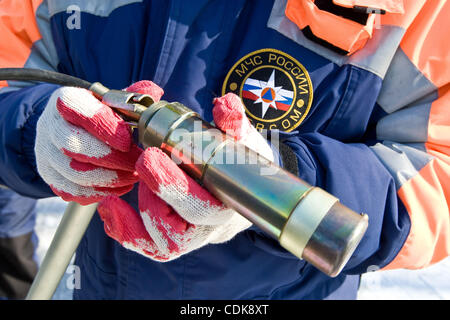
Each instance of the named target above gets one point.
<point>414,136</point>
<point>25,42</point>
<point>402,181</point>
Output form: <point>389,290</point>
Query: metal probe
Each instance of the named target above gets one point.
<point>307,221</point>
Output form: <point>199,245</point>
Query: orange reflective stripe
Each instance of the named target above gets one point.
<point>427,199</point>
<point>393,6</point>
<point>343,33</point>
<point>426,42</point>
<point>18,32</point>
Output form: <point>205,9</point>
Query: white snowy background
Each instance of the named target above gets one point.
<point>432,283</point>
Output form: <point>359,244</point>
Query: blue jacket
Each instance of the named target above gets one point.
<point>348,138</point>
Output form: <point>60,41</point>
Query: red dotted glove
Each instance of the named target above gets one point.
<point>84,150</point>
<point>177,215</point>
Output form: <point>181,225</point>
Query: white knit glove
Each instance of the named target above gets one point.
<point>84,150</point>
<point>177,215</point>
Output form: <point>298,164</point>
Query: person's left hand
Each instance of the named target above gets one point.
<point>177,215</point>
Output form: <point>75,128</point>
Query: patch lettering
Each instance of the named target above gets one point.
<point>275,89</point>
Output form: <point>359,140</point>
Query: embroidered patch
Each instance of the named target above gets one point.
<point>275,88</point>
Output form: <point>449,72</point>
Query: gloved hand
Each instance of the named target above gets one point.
<point>177,215</point>
<point>84,150</point>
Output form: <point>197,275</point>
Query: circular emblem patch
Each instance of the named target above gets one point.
<point>275,88</point>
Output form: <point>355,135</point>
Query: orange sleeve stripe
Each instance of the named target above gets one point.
<point>426,197</point>
<point>18,32</point>
<point>425,42</point>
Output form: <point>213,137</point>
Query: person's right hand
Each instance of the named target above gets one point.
<point>84,151</point>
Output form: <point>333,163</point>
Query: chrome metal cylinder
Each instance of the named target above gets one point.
<point>307,221</point>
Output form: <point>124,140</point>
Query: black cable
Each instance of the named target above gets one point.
<point>24,74</point>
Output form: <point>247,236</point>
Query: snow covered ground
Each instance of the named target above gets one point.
<point>430,283</point>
